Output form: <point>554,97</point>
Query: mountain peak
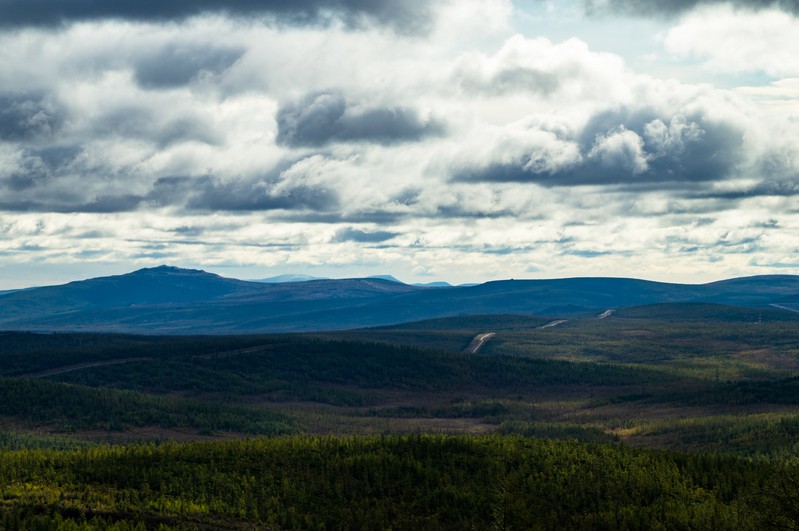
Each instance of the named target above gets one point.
<point>170,270</point>
<point>390,278</point>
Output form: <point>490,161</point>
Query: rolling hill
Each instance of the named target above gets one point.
<point>171,300</point>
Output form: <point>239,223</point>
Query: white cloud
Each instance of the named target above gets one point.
<point>136,165</point>
<point>738,40</point>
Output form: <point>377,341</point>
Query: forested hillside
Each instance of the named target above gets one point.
<point>398,482</point>
<point>551,424</point>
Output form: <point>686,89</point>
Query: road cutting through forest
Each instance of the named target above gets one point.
<point>478,342</point>
<point>552,323</point>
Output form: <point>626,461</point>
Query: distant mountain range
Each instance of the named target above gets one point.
<point>170,300</point>
<point>280,279</point>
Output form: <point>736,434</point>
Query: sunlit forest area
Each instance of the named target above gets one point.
<point>650,420</point>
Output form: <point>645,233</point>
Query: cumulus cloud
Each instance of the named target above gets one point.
<point>631,145</point>
<point>605,126</point>
<point>408,16</point>
<point>539,67</point>
<point>733,40</point>
<point>325,117</point>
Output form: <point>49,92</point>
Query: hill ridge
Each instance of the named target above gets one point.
<point>168,299</point>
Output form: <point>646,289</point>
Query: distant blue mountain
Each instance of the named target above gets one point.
<point>171,300</point>
<point>390,278</point>
<point>279,279</point>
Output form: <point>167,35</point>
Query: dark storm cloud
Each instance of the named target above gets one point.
<point>350,234</point>
<point>404,16</point>
<point>627,147</point>
<point>176,65</point>
<point>325,117</point>
<point>675,7</point>
<point>24,117</point>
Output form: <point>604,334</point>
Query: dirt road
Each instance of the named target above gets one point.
<point>552,323</point>
<point>478,342</point>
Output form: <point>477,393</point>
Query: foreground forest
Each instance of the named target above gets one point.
<point>381,482</point>
<point>681,416</point>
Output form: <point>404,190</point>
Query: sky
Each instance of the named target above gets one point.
<point>457,140</point>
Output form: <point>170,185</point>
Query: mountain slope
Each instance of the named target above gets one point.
<point>173,300</point>
<point>169,299</point>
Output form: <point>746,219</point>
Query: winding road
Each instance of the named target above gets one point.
<point>478,342</point>
<point>552,323</point>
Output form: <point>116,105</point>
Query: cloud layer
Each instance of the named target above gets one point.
<point>404,15</point>
<point>374,137</point>
<point>674,7</point>
<point>322,118</point>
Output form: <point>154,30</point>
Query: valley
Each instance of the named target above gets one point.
<point>706,391</point>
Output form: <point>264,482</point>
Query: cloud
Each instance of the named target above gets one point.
<point>675,7</point>
<point>404,16</point>
<point>602,125</point>
<point>272,191</point>
<point>537,67</point>
<point>25,117</point>
<point>209,139</point>
<point>63,179</point>
<point>326,117</point>
<point>734,40</point>
<point>36,168</point>
<point>162,128</point>
<point>350,234</point>
<point>175,65</point>
<point>97,205</point>
<point>768,188</point>
<point>259,195</point>
<point>634,146</point>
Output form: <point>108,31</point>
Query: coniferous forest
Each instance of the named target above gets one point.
<point>651,420</point>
